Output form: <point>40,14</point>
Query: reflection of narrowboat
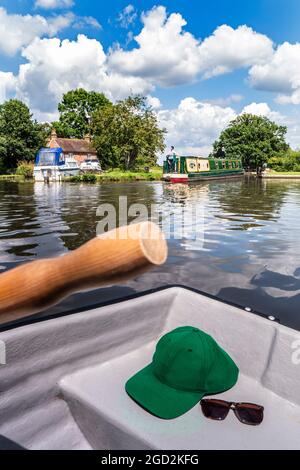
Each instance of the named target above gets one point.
<point>178,169</point>
<point>52,165</point>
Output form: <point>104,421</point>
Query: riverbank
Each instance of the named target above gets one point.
<point>154,174</point>
<point>281,175</point>
<point>12,178</point>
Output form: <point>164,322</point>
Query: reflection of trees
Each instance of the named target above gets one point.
<point>18,218</point>
<point>256,198</point>
<point>80,203</point>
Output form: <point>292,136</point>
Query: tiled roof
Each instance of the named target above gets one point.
<point>75,145</point>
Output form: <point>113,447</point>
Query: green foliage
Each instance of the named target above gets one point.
<point>89,178</point>
<point>84,178</point>
<point>76,109</point>
<point>127,134</point>
<point>73,179</point>
<point>20,135</point>
<point>254,139</point>
<point>289,161</point>
<point>155,174</point>
<point>25,169</point>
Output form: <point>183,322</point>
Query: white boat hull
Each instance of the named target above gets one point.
<point>63,384</point>
<point>54,173</point>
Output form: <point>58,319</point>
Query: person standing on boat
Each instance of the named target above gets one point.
<point>171,159</point>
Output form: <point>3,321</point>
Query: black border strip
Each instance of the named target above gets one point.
<point>35,319</point>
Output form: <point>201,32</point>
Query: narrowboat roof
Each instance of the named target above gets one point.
<point>201,156</point>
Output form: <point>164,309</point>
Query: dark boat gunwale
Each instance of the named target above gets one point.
<point>36,319</point>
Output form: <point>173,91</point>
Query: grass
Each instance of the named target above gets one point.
<point>273,172</point>
<point>119,175</point>
<point>155,174</point>
<point>12,178</point>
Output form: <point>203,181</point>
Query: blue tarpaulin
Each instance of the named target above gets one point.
<point>50,157</point>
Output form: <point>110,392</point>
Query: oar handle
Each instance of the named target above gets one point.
<point>112,257</point>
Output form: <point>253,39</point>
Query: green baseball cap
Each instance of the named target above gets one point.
<point>186,365</point>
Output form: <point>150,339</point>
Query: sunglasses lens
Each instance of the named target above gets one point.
<point>215,409</point>
<point>250,414</point>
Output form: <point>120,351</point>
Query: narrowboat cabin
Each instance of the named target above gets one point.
<point>52,165</point>
<point>183,169</point>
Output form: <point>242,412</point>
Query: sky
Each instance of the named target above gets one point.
<point>200,63</point>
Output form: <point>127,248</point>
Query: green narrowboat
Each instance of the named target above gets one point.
<point>184,169</point>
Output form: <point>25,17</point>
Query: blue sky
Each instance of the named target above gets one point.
<point>200,62</point>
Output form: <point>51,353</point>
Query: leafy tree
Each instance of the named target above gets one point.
<point>127,134</point>
<point>20,135</point>
<point>255,139</point>
<point>290,161</point>
<point>76,109</point>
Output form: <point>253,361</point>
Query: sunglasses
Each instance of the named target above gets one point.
<point>247,413</point>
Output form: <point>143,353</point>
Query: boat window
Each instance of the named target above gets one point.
<point>233,164</point>
<point>47,158</point>
<point>229,164</point>
<point>224,164</point>
<point>191,164</point>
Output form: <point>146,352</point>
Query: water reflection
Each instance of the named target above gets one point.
<point>245,247</point>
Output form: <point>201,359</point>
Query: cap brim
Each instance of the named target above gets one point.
<point>158,398</point>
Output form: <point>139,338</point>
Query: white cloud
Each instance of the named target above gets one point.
<point>7,85</point>
<point>127,16</point>
<point>52,4</point>
<point>18,31</point>
<point>281,74</point>
<point>81,22</point>
<point>234,98</point>
<point>54,67</point>
<point>228,49</point>
<point>166,54</point>
<point>153,102</point>
<point>262,109</point>
<point>194,125</point>
<point>169,55</point>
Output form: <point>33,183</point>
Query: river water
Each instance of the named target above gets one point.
<point>240,240</point>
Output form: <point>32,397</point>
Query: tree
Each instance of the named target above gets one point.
<point>127,134</point>
<point>254,139</point>
<point>76,109</point>
<point>20,135</point>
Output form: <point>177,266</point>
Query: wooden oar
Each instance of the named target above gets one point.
<point>112,257</point>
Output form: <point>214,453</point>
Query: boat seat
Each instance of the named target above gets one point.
<point>110,419</point>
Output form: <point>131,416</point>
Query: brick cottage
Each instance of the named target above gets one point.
<point>80,149</point>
